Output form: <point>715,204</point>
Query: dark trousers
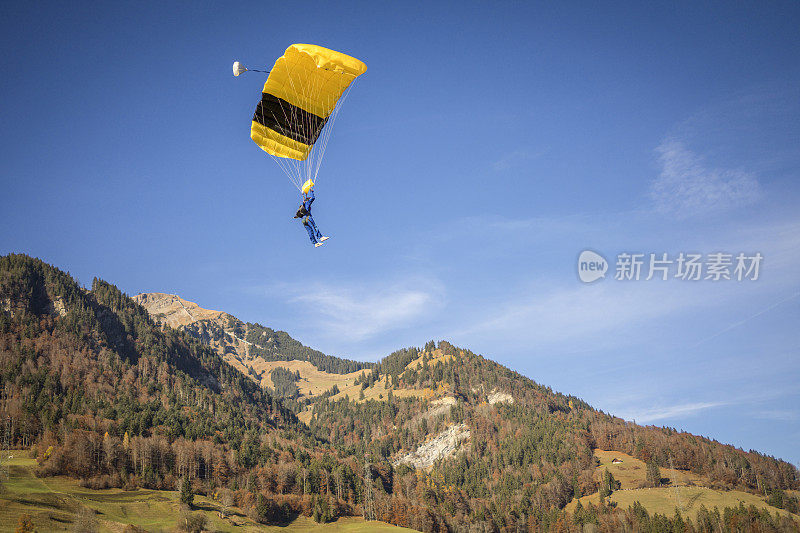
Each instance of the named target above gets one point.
<point>313,233</point>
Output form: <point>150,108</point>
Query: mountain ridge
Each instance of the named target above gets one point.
<point>404,366</point>
<point>107,393</point>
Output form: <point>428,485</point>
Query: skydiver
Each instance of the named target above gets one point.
<point>304,212</point>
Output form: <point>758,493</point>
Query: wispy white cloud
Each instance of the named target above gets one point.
<point>784,415</point>
<point>558,316</point>
<point>563,314</point>
<point>357,312</point>
<point>648,404</point>
<point>517,157</point>
<point>489,225</point>
<point>686,187</point>
<point>676,411</point>
<point>755,124</point>
<point>749,318</point>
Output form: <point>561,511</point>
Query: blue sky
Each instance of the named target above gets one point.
<point>484,149</point>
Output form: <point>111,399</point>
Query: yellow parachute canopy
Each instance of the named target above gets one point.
<point>299,96</point>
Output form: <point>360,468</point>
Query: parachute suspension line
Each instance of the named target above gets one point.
<point>298,179</point>
<point>312,166</point>
<point>285,164</point>
<point>328,129</point>
<point>309,169</point>
<point>294,167</point>
<point>287,169</point>
<point>297,167</point>
<point>308,94</point>
<point>313,93</point>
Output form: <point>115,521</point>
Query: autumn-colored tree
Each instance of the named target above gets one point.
<point>25,524</point>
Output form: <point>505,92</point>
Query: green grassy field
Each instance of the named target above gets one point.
<point>56,503</point>
<point>688,499</point>
<point>685,493</point>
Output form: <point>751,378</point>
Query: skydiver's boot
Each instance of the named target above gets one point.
<point>317,244</point>
<point>323,238</point>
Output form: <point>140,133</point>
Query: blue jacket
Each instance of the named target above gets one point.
<point>305,208</point>
<point>308,199</point>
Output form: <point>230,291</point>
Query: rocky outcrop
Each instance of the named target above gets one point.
<point>440,406</point>
<point>58,307</point>
<point>499,397</point>
<point>174,311</point>
<point>228,336</point>
<point>213,328</point>
<point>445,444</point>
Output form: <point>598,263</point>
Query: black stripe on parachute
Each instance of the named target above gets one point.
<point>287,119</point>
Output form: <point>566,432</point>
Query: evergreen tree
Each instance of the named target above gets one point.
<point>653,474</point>
<point>609,484</point>
<point>187,496</point>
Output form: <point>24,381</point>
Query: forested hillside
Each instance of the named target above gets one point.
<point>434,438</point>
<point>480,443</point>
<point>529,451</point>
<point>104,394</point>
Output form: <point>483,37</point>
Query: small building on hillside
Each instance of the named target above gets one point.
<point>615,461</point>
